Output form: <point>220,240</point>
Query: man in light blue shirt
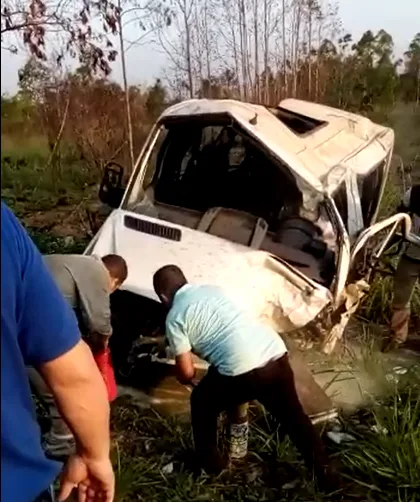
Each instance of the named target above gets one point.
<point>248,361</point>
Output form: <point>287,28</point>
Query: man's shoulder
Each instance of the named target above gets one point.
<point>193,294</point>
<point>16,246</point>
<point>11,230</point>
<point>185,300</point>
<point>203,291</point>
<point>75,261</point>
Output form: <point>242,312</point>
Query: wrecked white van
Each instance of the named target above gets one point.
<point>277,205</point>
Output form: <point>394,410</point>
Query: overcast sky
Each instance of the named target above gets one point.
<point>400,18</point>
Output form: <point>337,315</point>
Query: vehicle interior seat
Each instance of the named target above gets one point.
<point>249,230</point>
<point>237,226</point>
<point>305,236</point>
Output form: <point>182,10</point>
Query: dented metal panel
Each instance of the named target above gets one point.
<point>268,287</point>
<point>346,142</point>
<point>341,149</point>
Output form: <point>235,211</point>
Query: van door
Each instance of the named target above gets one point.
<point>389,227</point>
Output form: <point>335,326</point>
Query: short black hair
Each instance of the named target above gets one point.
<point>168,279</point>
<point>117,267</point>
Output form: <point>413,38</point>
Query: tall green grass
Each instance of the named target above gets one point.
<point>385,458</point>
<point>382,464</point>
<point>31,183</point>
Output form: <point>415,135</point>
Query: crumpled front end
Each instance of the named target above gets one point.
<point>261,284</point>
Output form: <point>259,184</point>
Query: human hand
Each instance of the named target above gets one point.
<point>93,479</point>
<point>98,342</point>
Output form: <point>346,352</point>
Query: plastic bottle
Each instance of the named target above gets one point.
<point>104,363</point>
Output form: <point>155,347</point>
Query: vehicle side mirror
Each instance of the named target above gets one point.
<point>111,190</point>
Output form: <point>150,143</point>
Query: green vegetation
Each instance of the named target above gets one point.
<point>59,131</point>
<point>383,463</point>
<point>386,453</point>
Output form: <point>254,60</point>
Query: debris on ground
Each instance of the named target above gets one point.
<point>168,468</point>
<point>291,485</point>
<point>379,429</point>
<point>340,437</point>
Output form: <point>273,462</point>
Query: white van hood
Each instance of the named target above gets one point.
<point>252,278</point>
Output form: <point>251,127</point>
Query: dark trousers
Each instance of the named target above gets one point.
<point>273,386</point>
<point>44,394</point>
<point>406,276</point>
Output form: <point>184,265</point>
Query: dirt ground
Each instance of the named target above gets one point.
<point>352,378</point>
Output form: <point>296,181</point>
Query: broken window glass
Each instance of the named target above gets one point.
<point>299,124</point>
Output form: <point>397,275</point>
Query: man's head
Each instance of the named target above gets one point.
<point>117,268</point>
<point>167,281</point>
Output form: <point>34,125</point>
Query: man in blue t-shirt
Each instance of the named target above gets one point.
<point>248,361</point>
<point>39,329</point>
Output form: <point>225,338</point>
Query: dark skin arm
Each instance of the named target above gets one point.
<point>185,370</point>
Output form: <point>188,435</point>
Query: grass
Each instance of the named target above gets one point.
<point>145,443</point>
<point>386,453</point>
<point>47,199</point>
<point>387,458</point>
<point>383,464</point>
<point>29,184</point>
<point>376,467</point>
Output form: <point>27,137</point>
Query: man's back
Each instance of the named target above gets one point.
<point>72,271</point>
<point>203,319</point>
<point>84,282</point>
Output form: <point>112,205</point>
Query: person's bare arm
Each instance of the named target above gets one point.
<point>81,396</point>
<point>177,336</point>
<point>185,369</point>
<point>80,393</point>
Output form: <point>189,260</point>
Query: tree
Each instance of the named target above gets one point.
<point>35,77</point>
<point>156,99</point>
<point>412,71</point>
<point>41,24</point>
<point>138,12</point>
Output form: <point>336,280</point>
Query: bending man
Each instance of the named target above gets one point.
<point>86,282</point>
<point>248,361</point>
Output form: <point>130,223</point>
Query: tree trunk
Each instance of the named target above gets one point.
<point>296,47</point>
<point>266,49</point>
<point>188,48</point>
<point>256,49</point>
<point>244,47</point>
<point>284,48</point>
<point>310,50</point>
<point>126,90</point>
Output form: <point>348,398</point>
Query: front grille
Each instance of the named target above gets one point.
<point>152,228</point>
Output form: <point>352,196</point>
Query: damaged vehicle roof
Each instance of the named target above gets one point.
<point>319,143</point>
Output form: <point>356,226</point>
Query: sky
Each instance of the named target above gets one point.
<point>400,18</point>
